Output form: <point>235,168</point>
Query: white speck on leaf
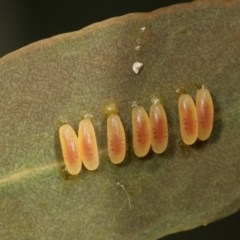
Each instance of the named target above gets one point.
<point>143,28</point>
<point>134,104</point>
<point>138,47</point>
<point>137,66</point>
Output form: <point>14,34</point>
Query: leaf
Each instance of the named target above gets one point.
<point>64,76</point>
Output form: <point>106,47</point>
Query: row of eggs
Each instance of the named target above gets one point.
<point>148,131</point>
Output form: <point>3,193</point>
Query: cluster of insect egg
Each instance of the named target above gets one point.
<point>196,120</point>
<point>148,131</point>
<point>79,150</point>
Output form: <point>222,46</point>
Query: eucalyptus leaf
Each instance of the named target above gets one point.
<point>64,77</point>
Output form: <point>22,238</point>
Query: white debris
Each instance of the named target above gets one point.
<point>138,47</point>
<point>134,104</point>
<point>155,100</point>
<point>143,28</point>
<point>137,66</point>
<point>125,191</point>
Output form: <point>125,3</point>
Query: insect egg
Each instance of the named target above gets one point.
<point>88,144</point>
<point>205,113</point>
<point>141,131</point>
<point>116,139</point>
<point>70,149</point>
<point>159,127</point>
<point>188,119</point>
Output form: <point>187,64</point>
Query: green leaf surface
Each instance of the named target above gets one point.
<point>65,76</point>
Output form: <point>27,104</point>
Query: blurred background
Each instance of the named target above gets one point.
<point>23,22</point>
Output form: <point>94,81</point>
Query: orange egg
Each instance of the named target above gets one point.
<point>205,113</point>
<point>70,149</point>
<point>116,139</point>
<point>88,144</point>
<point>141,131</point>
<point>188,119</point>
<point>159,128</point>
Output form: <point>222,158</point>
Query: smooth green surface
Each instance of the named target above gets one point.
<point>63,77</point>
